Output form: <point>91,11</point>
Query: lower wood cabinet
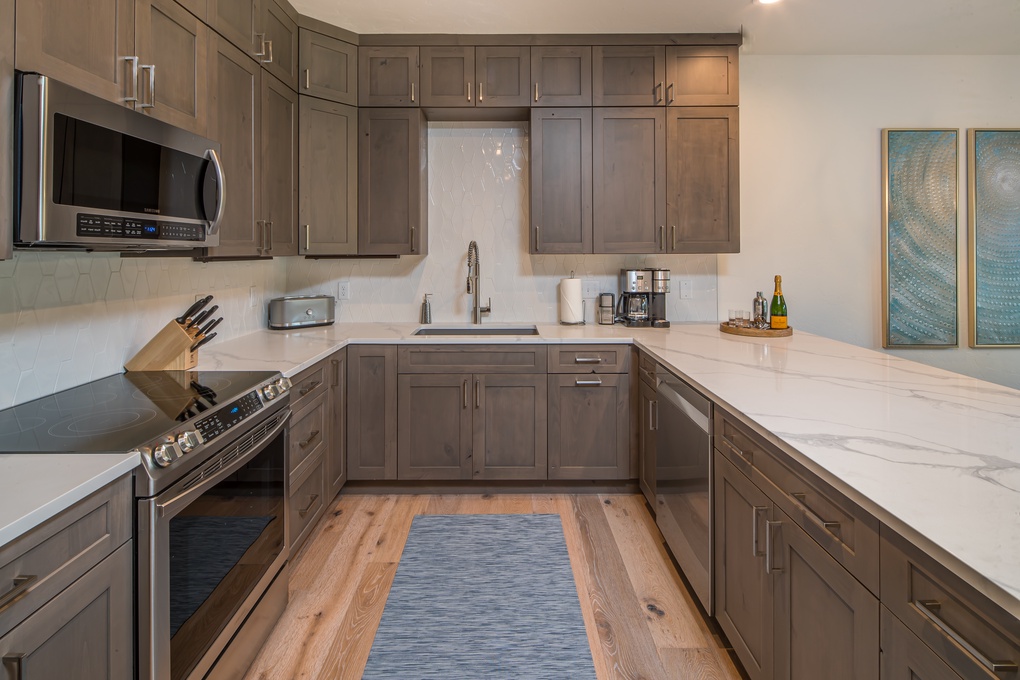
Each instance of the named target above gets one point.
<point>905,657</point>
<point>336,450</point>
<point>372,412</point>
<point>589,426</point>
<point>648,415</point>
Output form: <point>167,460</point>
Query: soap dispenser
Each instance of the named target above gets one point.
<point>426,310</point>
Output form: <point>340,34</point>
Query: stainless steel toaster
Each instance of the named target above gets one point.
<point>301,311</point>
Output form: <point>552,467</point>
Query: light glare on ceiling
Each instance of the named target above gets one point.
<point>766,2</point>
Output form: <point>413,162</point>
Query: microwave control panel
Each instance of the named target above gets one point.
<point>106,226</point>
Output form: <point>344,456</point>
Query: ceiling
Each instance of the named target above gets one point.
<point>788,27</point>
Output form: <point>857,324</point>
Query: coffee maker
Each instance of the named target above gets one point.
<point>657,300</point>
<point>635,297</point>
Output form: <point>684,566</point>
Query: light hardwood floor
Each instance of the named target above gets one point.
<point>639,616</point>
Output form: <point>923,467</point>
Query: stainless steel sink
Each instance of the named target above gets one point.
<point>476,330</point>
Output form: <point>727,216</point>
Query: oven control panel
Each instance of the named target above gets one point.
<point>229,416</point>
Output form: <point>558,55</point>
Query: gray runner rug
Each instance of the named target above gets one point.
<point>482,596</point>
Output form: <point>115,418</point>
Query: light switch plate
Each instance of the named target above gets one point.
<point>685,289</point>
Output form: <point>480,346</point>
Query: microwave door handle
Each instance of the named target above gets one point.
<point>221,204</point>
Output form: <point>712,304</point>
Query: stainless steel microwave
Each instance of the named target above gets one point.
<point>91,174</point>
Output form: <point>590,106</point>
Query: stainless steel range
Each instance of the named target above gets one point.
<point>211,496</point>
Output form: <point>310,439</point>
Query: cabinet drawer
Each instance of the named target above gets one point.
<point>646,369</point>
<point>307,385</point>
<point>308,434</point>
<point>963,627</point>
<point>905,657</point>
<point>307,502</point>
<point>589,358</point>
<point>472,359</point>
<point>47,559</point>
<point>841,527</point>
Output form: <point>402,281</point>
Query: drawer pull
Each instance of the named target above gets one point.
<point>769,524</point>
<point>597,382</point>
<point>929,609</point>
<point>16,662</point>
<point>587,360</point>
<point>309,387</point>
<point>749,458</point>
<point>755,510</point>
<point>831,527</point>
<point>464,391</point>
<point>311,437</point>
<point>311,504</point>
<point>21,584</point>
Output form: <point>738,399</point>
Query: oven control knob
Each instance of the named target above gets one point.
<point>165,454</point>
<point>189,440</point>
<point>283,384</point>
<point>270,392</point>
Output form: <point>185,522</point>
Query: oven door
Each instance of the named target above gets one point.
<point>209,546</point>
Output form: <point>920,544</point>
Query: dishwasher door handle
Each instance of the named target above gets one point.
<point>687,408</point>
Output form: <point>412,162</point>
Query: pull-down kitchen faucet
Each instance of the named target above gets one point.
<point>473,287</point>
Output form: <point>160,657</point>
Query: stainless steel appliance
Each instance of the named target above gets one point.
<point>635,293</point>
<point>95,175</point>
<point>683,480</point>
<point>211,542</point>
<point>607,309</point>
<point>301,311</point>
<point>657,299</point>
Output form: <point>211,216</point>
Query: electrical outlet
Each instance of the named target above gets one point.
<point>253,297</point>
<point>590,288</point>
<point>343,290</point>
<point>685,289</point>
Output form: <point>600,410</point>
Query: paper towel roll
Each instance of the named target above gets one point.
<point>571,307</point>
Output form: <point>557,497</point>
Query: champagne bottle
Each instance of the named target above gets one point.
<point>778,309</point>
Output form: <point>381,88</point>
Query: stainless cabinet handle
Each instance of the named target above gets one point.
<point>269,228</point>
<point>673,246</point>
<point>469,90</point>
<point>336,373</point>
<point>133,78</point>
<point>653,415</point>
<point>769,524</point>
<point>536,91</point>
<point>662,237</point>
<point>412,240</point>
<point>587,360</point>
<point>21,584</point>
<point>755,511</point>
<point>478,390</point>
<point>151,68</point>
<point>831,527</point>
<point>669,94</point>
<point>412,91</point>
<point>655,410</point>
<point>311,503</point>
<point>463,390</point>
<point>308,237</point>
<point>16,662</point>
<point>538,242</point>
<point>308,78</point>
<point>480,92</point>
<point>929,609</point>
<point>262,44</point>
<point>658,93</point>
<point>260,227</point>
<point>311,437</point>
<point>309,387</point>
<point>748,457</point>
<point>268,52</point>
<point>597,382</point>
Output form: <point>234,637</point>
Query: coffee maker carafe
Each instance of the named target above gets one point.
<point>635,297</point>
<point>657,300</point>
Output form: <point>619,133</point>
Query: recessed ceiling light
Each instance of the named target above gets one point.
<point>766,2</point>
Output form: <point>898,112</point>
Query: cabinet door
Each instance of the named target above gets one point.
<point>329,178</point>
<point>826,622</point>
<point>434,426</point>
<point>388,76</point>
<point>329,68</point>
<point>561,171</point>
<point>905,657</point>
<point>84,44</point>
<point>743,597</point>
<point>561,75</point>
<point>279,25</point>
<point>447,75</point>
<point>173,48</point>
<point>236,112</point>
<point>392,158</point>
<point>503,76</point>
<point>306,503</point>
<point>6,124</point>
<point>336,454</point>
<point>628,75</point>
<point>629,180</point>
<point>589,426</point>
<point>279,166</point>
<point>648,413</point>
<point>236,20</point>
<point>372,412</point>
<point>702,75</point>
<point>510,426</point>
<point>87,628</point>
<point>703,177</point>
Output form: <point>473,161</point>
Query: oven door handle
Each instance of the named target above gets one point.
<point>171,501</point>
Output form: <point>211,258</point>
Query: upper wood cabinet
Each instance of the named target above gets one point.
<point>279,36</point>
<point>238,22</point>
<point>329,178</point>
<point>328,68</point>
<point>678,75</point>
<point>561,76</point>
<point>279,167</point>
<point>388,76</point>
<point>629,75</point>
<point>702,75</point>
<point>561,184</point>
<point>475,76</point>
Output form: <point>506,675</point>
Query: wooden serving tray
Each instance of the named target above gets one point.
<point>757,332</point>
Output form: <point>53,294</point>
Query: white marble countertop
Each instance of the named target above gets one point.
<point>36,487</point>
<point>933,454</point>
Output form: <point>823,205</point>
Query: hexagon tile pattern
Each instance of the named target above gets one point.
<point>478,190</point>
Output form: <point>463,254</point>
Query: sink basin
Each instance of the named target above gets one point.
<point>477,330</point>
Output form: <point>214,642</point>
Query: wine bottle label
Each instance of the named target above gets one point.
<point>777,322</point>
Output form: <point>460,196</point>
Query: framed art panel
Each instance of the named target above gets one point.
<point>920,182</point>
<point>993,165</point>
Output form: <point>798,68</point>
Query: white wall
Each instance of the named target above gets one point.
<point>810,155</point>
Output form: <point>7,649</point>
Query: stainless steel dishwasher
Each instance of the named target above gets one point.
<point>683,480</point>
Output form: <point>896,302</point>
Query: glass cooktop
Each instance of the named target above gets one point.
<point>121,412</point>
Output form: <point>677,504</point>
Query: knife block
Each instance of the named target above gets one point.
<point>169,350</point>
